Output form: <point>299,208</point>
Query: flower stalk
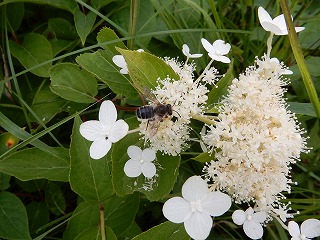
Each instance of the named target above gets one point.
<point>102,226</point>
<point>296,49</point>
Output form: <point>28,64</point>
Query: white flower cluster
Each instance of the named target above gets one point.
<point>187,97</point>
<point>256,139</point>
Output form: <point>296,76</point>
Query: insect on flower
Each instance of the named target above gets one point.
<point>156,112</point>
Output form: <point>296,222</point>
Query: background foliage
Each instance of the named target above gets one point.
<point>56,62</point>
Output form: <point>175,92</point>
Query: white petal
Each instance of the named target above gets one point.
<point>148,169</point>
<point>195,188</point>
<point>293,229</point>
<point>107,113</point>
<point>311,228</point>
<point>221,46</point>
<point>219,58</point>
<point>134,152</point>
<point>148,155</point>
<point>119,61</point>
<point>239,217</point>
<point>99,148</point>
<point>270,27</point>
<point>253,230</point>
<point>118,131</point>
<point>176,209</point>
<point>216,203</point>
<point>199,225</point>
<point>280,22</point>
<point>299,29</point>
<point>207,46</point>
<point>196,55</point>
<point>91,130</point>
<point>185,50</point>
<point>259,217</point>
<point>132,168</point>
<point>249,211</point>
<point>263,15</point>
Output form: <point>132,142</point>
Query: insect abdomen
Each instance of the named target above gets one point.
<point>145,112</point>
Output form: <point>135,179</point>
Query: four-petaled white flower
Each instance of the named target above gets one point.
<point>196,207</point>
<point>310,228</point>
<point>251,222</point>
<point>140,162</point>
<point>104,132</point>
<point>217,50</point>
<point>186,52</point>
<point>277,25</point>
<point>121,63</point>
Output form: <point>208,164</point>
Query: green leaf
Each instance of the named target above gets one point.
<point>14,16</point>
<point>13,217</point>
<point>4,181</point>
<point>35,49</point>
<point>7,141</point>
<point>145,69</point>
<point>222,85</point>
<point>69,5</point>
<point>33,163</point>
<point>119,215</point>
<point>55,199</point>
<point>88,177</point>
<point>107,35</point>
<point>302,108</point>
<point>38,215</point>
<point>61,29</point>
<point>167,230</point>
<point>100,64</point>
<point>72,83</point>
<point>95,233</point>
<point>84,23</point>
<point>167,171</point>
<point>204,157</point>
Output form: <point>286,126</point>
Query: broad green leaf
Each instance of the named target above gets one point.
<point>83,23</point>
<point>302,108</point>
<point>100,64</point>
<point>107,35</point>
<point>167,171</point>
<point>14,16</point>
<point>216,93</point>
<point>60,28</point>
<point>33,163</point>
<point>4,181</point>
<point>145,69</point>
<point>34,50</point>
<point>119,215</point>
<point>94,233</point>
<point>72,83</point>
<point>88,177</point>
<point>32,185</point>
<point>167,230</point>
<point>38,215</point>
<point>55,199</point>
<point>69,5</point>
<point>13,217</point>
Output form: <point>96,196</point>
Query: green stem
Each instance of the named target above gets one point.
<point>269,45</point>
<point>203,119</point>
<point>133,21</point>
<point>102,226</point>
<point>296,49</point>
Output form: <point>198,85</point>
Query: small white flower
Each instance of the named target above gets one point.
<point>310,228</point>
<point>217,49</point>
<point>140,162</point>
<point>186,52</point>
<point>196,206</point>
<point>277,25</point>
<point>105,131</point>
<point>121,63</point>
<point>251,222</point>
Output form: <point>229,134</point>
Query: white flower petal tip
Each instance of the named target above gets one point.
<point>196,207</point>
<point>277,25</point>
<point>121,63</point>
<point>251,222</point>
<point>140,162</point>
<point>104,132</point>
<point>186,52</point>
<point>310,228</point>
<point>217,50</point>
